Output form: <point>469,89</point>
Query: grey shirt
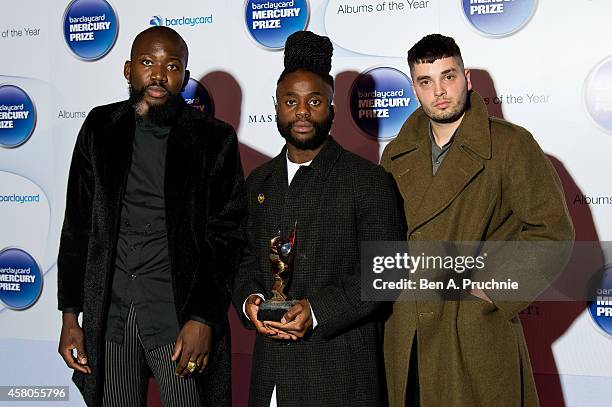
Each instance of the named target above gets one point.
<point>438,153</point>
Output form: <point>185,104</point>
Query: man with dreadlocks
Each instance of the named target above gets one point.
<point>325,350</point>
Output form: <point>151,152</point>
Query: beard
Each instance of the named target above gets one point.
<point>321,133</point>
<point>449,116</point>
<point>160,114</point>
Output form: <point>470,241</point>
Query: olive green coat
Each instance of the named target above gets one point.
<point>495,184</point>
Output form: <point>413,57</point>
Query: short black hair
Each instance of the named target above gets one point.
<point>163,30</point>
<point>307,51</point>
<point>431,48</point>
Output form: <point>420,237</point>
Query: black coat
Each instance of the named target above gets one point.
<point>338,201</point>
<point>204,210</point>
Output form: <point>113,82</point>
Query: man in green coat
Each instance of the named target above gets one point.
<point>465,176</point>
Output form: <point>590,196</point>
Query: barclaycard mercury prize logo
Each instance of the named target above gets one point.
<point>381,99</point>
<point>600,308</point>
<point>270,22</point>
<point>90,28</point>
<point>196,96</point>
<point>598,95</point>
<point>20,279</point>
<point>498,18</point>
<point>17,116</point>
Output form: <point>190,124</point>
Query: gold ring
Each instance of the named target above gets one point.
<point>191,366</point>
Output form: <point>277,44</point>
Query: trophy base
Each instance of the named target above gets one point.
<point>274,310</point>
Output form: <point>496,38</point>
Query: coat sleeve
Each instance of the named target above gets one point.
<point>247,281</point>
<point>536,193</point>
<point>378,217</point>
<point>542,248</point>
<point>226,214</point>
<point>74,239</point>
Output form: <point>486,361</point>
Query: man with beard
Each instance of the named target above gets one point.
<point>325,351</point>
<point>151,232</point>
<point>465,176</point>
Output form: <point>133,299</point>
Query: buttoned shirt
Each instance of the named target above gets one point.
<point>142,274</point>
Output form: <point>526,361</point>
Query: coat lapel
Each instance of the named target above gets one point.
<point>183,163</point>
<point>306,194</point>
<point>115,154</point>
<point>426,195</point>
<point>416,171</point>
<point>410,157</point>
<point>455,173</point>
<point>273,192</point>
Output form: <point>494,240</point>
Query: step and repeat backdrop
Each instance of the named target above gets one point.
<point>545,65</point>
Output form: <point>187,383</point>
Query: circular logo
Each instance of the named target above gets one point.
<point>17,116</point>
<point>90,28</point>
<point>600,308</point>
<point>270,22</point>
<point>381,101</point>
<point>498,18</point>
<point>598,95</point>
<point>20,279</point>
<point>156,20</point>
<point>196,96</point>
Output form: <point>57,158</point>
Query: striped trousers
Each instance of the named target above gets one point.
<point>127,368</point>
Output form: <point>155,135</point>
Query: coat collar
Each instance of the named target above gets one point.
<point>123,116</point>
<point>426,195</point>
<point>184,154</point>
<point>124,109</point>
<point>471,133</point>
<point>321,164</point>
<point>326,159</point>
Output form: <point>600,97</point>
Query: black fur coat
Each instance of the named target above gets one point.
<point>205,208</point>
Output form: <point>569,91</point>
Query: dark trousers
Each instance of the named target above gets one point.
<point>128,367</point>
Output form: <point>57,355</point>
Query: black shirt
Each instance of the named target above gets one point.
<point>142,266</point>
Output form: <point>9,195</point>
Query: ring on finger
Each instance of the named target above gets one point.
<point>191,366</point>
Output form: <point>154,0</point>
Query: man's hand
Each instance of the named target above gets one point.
<point>192,345</point>
<point>72,338</point>
<point>296,322</point>
<point>251,308</point>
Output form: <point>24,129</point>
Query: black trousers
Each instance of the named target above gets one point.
<point>128,367</point>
